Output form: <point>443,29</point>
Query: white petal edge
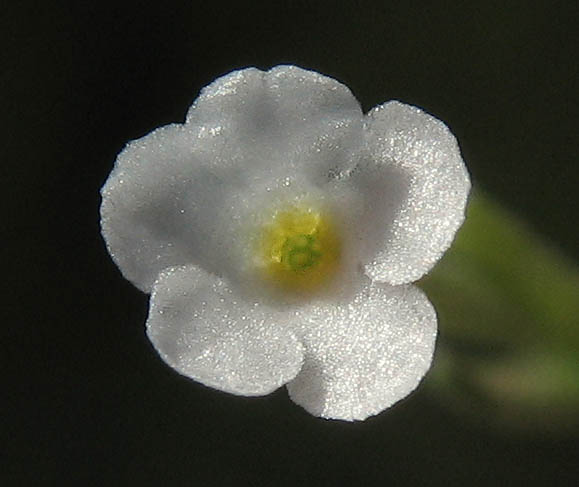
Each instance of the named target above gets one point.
<point>204,331</point>
<point>416,224</point>
<point>363,357</point>
<point>151,214</point>
<point>288,118</point>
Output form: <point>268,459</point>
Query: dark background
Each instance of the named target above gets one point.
<point>86,400</point>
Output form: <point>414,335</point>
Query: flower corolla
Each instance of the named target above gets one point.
<point>279,230</point>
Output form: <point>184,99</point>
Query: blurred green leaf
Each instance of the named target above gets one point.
<point>508,306</point>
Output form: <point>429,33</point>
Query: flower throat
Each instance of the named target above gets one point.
<point>300,250</point>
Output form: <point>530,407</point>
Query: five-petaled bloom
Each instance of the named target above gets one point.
<point>278,231</point>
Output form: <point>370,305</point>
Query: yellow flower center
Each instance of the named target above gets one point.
<point>300,250</point>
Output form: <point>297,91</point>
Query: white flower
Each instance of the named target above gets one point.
<point>278,231</point>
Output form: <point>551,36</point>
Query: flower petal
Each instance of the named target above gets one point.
<point>364,356</point>
<point>418,171</point>
<point>206,332</point>
<point>160,203</point>
<point>286,119</point>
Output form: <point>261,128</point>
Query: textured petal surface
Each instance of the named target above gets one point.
<point>206,332</point>
<point>286,119</point>
<point>364,356</point>
<point>160,203</point>
<point>169,199</point>
<point>417,187</point>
